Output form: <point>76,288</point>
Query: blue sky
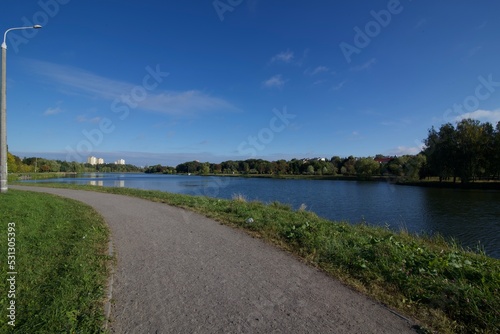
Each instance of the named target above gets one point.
<point>171,81</point>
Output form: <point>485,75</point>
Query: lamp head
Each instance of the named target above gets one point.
<point>37,26</point>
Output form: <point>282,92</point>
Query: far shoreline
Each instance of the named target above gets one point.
<point>477,185</point>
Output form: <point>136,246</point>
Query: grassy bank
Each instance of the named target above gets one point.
<point>61,263</point>
<point>12,177</point>
<point>443,286</point>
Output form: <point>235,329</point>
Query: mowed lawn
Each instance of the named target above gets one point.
<point>61,264</point>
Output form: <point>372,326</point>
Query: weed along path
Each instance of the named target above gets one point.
<point>179,272</point>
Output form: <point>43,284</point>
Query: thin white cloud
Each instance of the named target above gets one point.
<point>365,66</point>
<point>355,135</point>
<point>420,24</point>
<point>482,25</point>
<point>85,119</point>
<point>285,57</point>
<point>397,122</point>
<point>338,86</point>
<point>405,150</point>
<point>187,102</point>
<point>72,80</point>
<point>252,5</point>
<point>319,82</point>
<point>472,52</point>
<point>52,111</point>
<point>492,116</point>
<point>317,70</point>
<point>274,82</point>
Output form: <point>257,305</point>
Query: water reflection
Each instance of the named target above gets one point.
<point>119,184</point>
<point>96,183</point>
<point>470,216</point>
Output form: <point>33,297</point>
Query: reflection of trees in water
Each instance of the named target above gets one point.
<point>469,216</point>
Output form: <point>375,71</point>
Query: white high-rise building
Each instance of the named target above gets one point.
<point>95,161</point>
<point>120,162</point>
<point>92,160</point>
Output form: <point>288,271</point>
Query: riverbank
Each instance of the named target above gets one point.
<point>480,185</point>
<point>59,262</point>
<point>431,183</point>
<point>302,177</point>
<point>13,177</point>
<point>445,287</point>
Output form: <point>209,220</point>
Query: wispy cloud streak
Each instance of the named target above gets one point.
<point>78,81</point>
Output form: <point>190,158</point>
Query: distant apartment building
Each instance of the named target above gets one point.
<point>92,160</point>
<point>120,162</point>
<point>95,161</point>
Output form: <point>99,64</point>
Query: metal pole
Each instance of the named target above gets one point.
<point>3,125</point>
<point>3,111</point>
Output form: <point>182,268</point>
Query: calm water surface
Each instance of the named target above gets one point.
<point>472,217</point>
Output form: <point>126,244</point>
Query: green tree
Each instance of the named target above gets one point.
<point>367,167</point>
<point>310,169</point>
<point>413,166</point>
<point>441,152</point>
<point>282,166</point>
<point>495,158</point>
<point>205,168</point>
<point>349,165</point>
<point>13,163</point>
<point>469,144</point>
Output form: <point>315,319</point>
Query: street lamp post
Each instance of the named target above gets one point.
<point>3,112</point>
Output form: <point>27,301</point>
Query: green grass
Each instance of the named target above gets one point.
<point>444,287</point>
<point>61,263</point>
<point>13,177</point>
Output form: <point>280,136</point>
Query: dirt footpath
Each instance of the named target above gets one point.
<point>179,272</point>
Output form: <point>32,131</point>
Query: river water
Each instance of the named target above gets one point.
<point>472,217</point>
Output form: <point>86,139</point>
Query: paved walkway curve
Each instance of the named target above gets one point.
<point>180,272</point>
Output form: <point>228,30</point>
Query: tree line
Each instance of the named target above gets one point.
<point>407,166</point>
<point>468,151</point>
<point>42,165</point>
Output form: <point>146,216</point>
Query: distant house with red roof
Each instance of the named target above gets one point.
<point>383,160</point>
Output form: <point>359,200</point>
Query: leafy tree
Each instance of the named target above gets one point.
<point>294,166</point>
<point>310,169</point>
<point>205,168</point>
<point>13,163</point>
<point>495,157</point>
<point>469,151</point>
<point>469,147</point>
<point>441,151</point>
<point>337,164</point>
<point>413,166</point>
<point>367,167</point>
<point>282,167</point>
<point>349,165</point>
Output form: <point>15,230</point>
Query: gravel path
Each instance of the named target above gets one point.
<point>179,272</point>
